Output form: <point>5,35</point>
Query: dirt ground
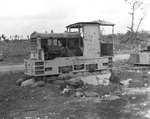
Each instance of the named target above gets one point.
<point>115,101</point>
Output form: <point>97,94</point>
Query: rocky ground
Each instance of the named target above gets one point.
<point>112,101</point>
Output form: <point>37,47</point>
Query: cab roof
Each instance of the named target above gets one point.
<point>99,22</point>
<point>54,35</point>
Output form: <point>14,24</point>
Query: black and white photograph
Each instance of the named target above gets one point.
<point>74,59</point>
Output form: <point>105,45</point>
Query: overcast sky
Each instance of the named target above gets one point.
<point>22,17</point>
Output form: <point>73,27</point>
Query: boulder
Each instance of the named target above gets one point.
<point>103,79</point>
<point>28,82</point>
<point>96,79</point>
<point>90,80</point>
<point>38,84</point>
<point>19,81</point>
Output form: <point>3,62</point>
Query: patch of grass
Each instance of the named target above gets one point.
<point>10,93</point>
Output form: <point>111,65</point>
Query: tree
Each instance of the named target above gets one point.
<point>135,6</point>
<point>3,37</point>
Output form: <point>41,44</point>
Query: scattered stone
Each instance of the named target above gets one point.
<point>38,84</point>
<point>126,82</point>
<point>145,85</point>
<point>79,94</point>
<point>65,90</point>
<point>28,82</point>
<point>138,71</point>
<point>133,97</point>
<point>148,72</point>
<point>91,94</point>
<point>111,97</point>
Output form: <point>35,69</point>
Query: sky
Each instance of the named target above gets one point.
<point>22,17</point>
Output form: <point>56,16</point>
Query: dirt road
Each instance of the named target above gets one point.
<point>11,68</point>
<point>21,67</point>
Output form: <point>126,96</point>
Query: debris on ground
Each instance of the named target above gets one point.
<point>132,91</point>
<point>74,97</point>
<point>96,79</point>
<point>126,82</point>
<point>65,91</point>
<point>110,97</point>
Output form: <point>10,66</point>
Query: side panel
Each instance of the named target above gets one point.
<point>134,58</point>
<point>144,58</point>
<point>140,58</point>
<point>66,65</point>
<point>91,41</point>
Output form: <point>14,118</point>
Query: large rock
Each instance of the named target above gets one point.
<point>28,82</point>
<point>19,81</point>
<point>103,79</point>
<point>96,79</point>
<point>38,84</point>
